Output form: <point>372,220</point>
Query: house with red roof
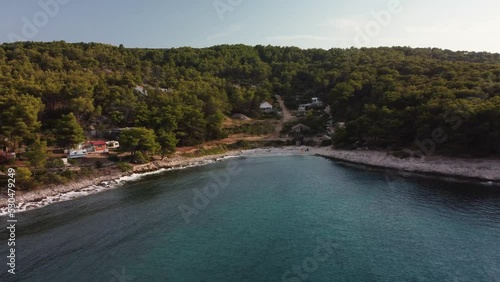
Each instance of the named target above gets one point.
<point>98,147</point>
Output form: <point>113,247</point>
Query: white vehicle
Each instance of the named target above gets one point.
<point>77,154</point>
<point>113,145</point>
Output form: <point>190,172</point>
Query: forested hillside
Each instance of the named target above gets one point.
<point>386,96</point>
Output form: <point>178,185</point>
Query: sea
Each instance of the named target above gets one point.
<point>265,218</point>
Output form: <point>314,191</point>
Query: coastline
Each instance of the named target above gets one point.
<point>477,170</point>
<point>104,180</point>
<point>485,170</point>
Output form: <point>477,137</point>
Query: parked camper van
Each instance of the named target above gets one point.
<point>76,154</point>
<point>113,145</point>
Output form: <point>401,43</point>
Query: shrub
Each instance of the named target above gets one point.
<point>258,128</point>
<point>114,158</point>
<point>240,144</point>
<point>54,178</point>
<point>326,143</point>
<point>221,149</point>
<point>310,143</point>
<point>23,177</point>
<point>99,164</point>
<point>23,173</point>
<point>87,171</point>
<point>68,174</point>
<point>124,166</point>
<point>139,158</point>
<point>274,143</point>
<point>56,163</point>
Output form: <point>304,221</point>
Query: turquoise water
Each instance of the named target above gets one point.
<point>285,218</point>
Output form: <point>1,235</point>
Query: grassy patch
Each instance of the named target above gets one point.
<point>254,128</point>
<point>201,152</point>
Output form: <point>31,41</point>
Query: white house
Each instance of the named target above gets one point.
<point>304,107</point>
<point>166,90</point>
<point>316,102</point>
<point>266,107</point>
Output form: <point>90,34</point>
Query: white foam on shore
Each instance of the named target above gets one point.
<point>104,186</point>
<point>62,197</point>
<point>138,176</point>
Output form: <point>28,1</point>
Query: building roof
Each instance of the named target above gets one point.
<point>98,143</point>
<point>241,117</point>
<point>265,105</point>
<point>141,89</point>
<point>300,125</point>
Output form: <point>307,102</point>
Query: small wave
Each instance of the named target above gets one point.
<point>138,176</point>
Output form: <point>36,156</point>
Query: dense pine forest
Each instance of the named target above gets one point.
<point>388,97</point>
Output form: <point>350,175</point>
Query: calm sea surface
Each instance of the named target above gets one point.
<point>282,218</point>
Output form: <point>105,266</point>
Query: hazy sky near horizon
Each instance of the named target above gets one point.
<point>456,25</point>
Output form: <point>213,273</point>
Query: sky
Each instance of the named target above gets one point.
<point>456,25</point>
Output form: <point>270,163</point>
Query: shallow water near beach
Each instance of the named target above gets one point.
<point>279,218</point>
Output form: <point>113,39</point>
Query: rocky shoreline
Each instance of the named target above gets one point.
<point>103,180</point>
<point>485,170</point>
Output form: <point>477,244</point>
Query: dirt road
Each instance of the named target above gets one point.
<point>287,116</point>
